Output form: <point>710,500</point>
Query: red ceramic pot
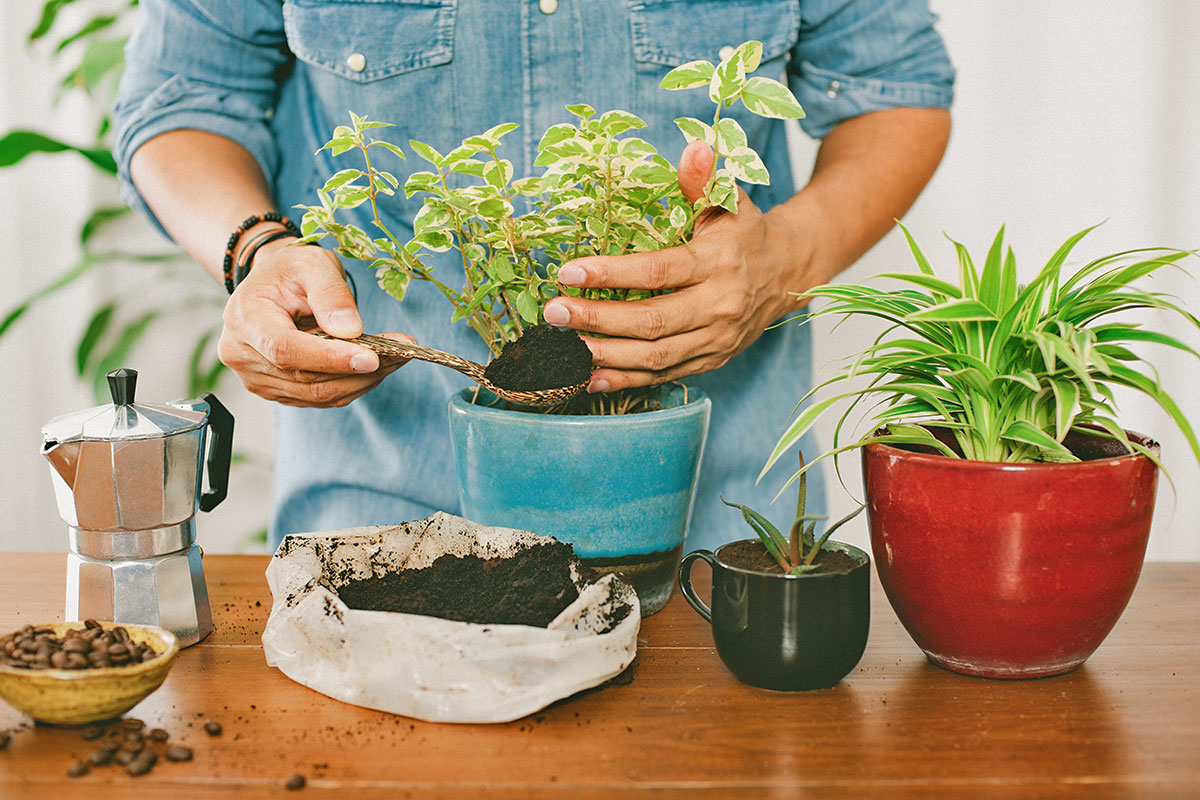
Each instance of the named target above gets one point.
<point>1008,570</point>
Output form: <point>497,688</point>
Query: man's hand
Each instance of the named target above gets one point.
<point>290,290</point>
<point>728,285</point>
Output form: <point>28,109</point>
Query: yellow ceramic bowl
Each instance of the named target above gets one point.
<point>81,696</point>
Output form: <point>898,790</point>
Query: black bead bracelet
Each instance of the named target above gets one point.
<point>227,264</point>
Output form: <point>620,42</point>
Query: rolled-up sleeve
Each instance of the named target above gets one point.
<point>857,56</point>
<point>213,66</point>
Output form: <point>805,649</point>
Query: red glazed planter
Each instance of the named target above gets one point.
<point>1008,570</point>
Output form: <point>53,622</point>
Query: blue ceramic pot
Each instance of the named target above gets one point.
<point>618,488</point>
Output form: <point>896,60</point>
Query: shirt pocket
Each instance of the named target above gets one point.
<point>667,33</point>
<point>388,60</point>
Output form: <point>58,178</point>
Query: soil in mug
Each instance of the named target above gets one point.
<point>543,357</point>
<point>752,555</point>
<point>531,587</point>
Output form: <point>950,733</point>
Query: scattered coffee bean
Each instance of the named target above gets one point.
<point>90,647</point>
<point>295,782</point>
<point>158,735</point>
<point>100,757</point>
<point>77,770</point>
<point>178,752</point>
<point>124,757</point>
<point>212,728</point>
<point>132,723</point>
<point>134,745</point>
<point>142,764</point>
<point>5,738</point>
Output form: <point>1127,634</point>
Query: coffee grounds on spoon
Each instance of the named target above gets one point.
<point>543,357</point>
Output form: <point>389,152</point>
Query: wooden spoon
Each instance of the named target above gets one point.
<point>383,346</point>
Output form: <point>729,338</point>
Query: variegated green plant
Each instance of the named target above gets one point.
<point>1008,370</point>
<point>601,192</point>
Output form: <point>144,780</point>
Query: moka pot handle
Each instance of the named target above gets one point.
<point>220,453</point>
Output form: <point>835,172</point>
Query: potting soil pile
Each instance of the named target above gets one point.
<point>434,668</point>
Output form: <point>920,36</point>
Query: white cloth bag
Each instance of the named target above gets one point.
<point>426,667</point>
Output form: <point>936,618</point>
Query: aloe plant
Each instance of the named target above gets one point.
<point>796,552</point>
<point>1007,369</point>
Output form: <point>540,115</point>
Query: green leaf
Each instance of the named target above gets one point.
<point>394,282</point>
<point>341,178</point>
<point>98,219</point>
<point>96,328</point>
<point>770,535</point>
<point>495,208</point>
<point>501,269</point>
<point>128,338</point>
<point>16,145</point>
<point>50,11</point>
<point>955,311</point>
<point>694,130</point>
<point>745,165</point>
<point>770,98</point>
<point>100,59</point>
<point>730,135</point>
<point>688,76</point>
<point>70,276</point>
<point>1026,433</point>
<point>527,307</point>
<point>93,25</point>
<point>581,110</point>
<point>751,53</point>
<point>728,79</point>
<point>425,151</point>
<point>391,148</point>
<point>617,122</point>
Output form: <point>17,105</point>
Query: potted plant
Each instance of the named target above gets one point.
<point>791,612</point>
<point>1009,511</point>
<point>629,478</point>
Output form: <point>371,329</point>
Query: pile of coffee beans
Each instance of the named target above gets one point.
<point>93,646</point>
<point>126,743</point>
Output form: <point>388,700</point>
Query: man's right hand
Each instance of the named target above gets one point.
<point>291,290</point>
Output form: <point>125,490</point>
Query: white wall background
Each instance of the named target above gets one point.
<point>1067,114</point>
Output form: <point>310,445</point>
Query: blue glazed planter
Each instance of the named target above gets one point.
<point>618,488</point>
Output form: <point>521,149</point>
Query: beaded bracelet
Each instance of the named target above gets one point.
<point>247,224</point>
<point>243,268</point>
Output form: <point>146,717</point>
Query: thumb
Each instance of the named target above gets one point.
<point>695,168</point>
<point>332,303</point>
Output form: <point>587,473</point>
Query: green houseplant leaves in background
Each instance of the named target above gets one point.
<point>1008,370</point>
<point>95,50</point>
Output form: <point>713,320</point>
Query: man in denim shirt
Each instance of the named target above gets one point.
<point>224,103</point>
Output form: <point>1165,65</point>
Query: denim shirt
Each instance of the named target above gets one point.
<point>278,76</point>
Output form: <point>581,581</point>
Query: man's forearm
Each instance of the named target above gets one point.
<point>200,186</point>
<point>867,174</point>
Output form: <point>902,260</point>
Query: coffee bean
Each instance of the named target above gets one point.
<point>158,735</point>
<point>100,757</point>
<point>295,782</point>
<point>178,752</point>
<point>91,624</point>
<point>134,745</point>
<point>5,738</point>
<point>212,728</point>
<point>124,757</point>
<point>92,732</point>
<point>77,770</point>
<point>132,724</point>
<point>142,764</point>
<point>58,660</point>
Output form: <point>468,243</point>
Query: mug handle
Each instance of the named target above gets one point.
<point>685,581</point>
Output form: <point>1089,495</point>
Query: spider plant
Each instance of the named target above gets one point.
<point>1007,370</point>
<point>795,552</point>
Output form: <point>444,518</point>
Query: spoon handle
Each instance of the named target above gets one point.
<point>383,346</point>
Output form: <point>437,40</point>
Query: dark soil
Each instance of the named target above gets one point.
<point>752,555</point>
<point>543,357</point>
<point>1083,446</point>
<point>529,588</point>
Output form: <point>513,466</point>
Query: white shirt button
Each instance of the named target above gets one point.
<point>725,52</point>
<point>356,62</point>
<point>833,90</point>
<point>547,6</point>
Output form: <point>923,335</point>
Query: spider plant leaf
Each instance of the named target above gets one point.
<point>918,256</point>
<point>1066,396</point>
<point>1136,380</point>
<point>1023,378</point>
<point>990,282</point>
<point>1122,333</point>
<point>941,289</point>
<point>968,310</point>
<point>1022,431</point>
<point>1008,281</point>
<point>968,277</point>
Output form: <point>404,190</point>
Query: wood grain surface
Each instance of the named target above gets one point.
<point>1125,725</point>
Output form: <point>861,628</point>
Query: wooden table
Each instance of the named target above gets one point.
<point>1126,724</point>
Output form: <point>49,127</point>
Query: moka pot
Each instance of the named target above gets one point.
<point>128,481</point>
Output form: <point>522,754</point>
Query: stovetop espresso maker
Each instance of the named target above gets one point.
<point>128,480</point>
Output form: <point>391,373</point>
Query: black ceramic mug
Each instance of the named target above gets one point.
<point>786,632</point>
